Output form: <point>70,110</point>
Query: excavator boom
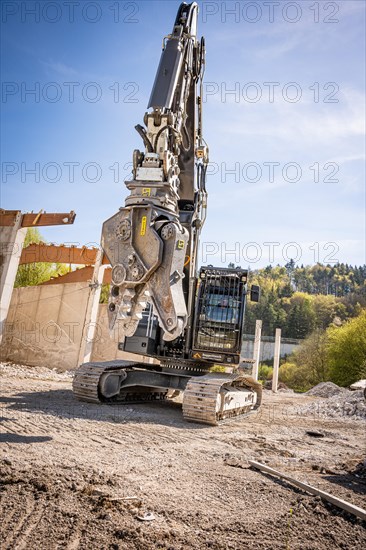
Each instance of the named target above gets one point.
<point>146,242</point>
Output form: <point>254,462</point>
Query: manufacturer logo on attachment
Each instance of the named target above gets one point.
<point>143,226</point>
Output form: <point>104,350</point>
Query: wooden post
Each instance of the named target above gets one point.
<point>276,359</point>
<point>257,348</point>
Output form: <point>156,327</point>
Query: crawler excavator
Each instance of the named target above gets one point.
<point>186,318</point>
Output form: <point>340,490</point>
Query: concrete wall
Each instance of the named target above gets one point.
<point>45,325</point>
<point>6,246</point>
<point>11,242</point>
<point>288,345</point>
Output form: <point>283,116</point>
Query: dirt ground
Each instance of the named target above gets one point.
<point>77,475</point>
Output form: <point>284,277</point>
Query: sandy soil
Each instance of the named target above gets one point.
<point>70,468</point>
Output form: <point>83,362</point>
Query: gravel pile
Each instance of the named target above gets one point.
<point>344,404</point>
<point>14,370</point>
<point>326,389</point>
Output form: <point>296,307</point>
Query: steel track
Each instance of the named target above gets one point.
<point>201,396</point>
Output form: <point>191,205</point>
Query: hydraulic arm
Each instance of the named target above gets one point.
<point>152,242</point>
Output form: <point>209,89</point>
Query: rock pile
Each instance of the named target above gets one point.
<point>325,389</point>
<point>341,404</point>
<point>14,370</point>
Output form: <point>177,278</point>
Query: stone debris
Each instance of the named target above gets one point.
<point>14,370</point>
<point>344,404</point>
<point>359,385</point>
<point>325,389</point>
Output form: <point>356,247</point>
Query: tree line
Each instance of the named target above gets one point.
<point>301,299</point>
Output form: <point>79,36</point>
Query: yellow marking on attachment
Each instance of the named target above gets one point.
<point>197,356</point>
<point>143,226</point>
<point>180,245</point>
<point>146,191</point>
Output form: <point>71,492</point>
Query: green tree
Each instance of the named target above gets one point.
<point>301,316</point>
<point>312,358</point>
<point>325,309</point>
<point>37,272</point>
<point>346,351</point>
<point>265,372</point>
<point>104,294</point>
<point>308,365</point>
<point>293,376</point>
<point>337,354</point>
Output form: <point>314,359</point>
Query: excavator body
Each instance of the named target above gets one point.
<point>187,320</point>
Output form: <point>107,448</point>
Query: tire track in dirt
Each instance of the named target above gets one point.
<point>74,536</point>
<point>35,517</point>
<point>16,530</point>
<point>6,520</point>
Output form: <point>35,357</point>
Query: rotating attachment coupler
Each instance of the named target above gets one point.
<point>146,246</point>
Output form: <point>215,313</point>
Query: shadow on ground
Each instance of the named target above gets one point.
<point>62,404</point>
<point>334,510</point>
<point>352,481</point>
<point>16,438</point>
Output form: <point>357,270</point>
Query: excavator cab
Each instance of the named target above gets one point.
<point>219,314</point>
<point>216,326</point>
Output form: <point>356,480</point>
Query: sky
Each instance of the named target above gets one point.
<point>284,117</point>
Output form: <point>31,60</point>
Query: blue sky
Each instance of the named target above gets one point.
<point>287,147</point>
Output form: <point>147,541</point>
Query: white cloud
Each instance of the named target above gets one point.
<point>302,122</point>
<point>59,68</point>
